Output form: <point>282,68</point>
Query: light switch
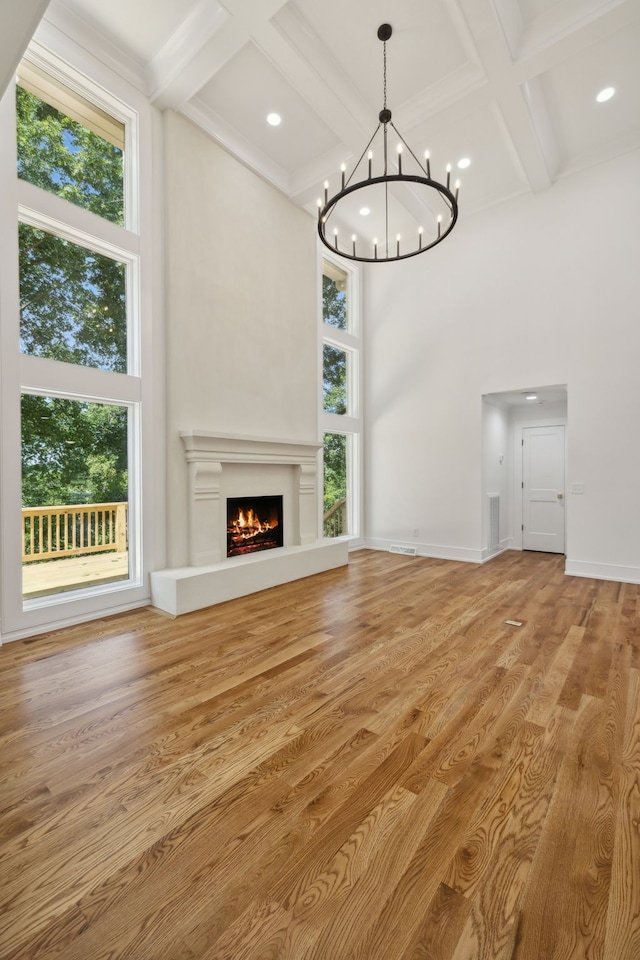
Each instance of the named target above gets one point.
<point>577,488</point>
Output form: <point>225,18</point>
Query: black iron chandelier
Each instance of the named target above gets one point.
<point>389,247</point>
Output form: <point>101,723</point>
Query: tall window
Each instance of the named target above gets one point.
<point>74,310</point>
<point>76,376</point>
<point>340,401</point>
<point>69,146</point>
<point>74,494</point>
<point>335,379</point>
<point>72,302</point>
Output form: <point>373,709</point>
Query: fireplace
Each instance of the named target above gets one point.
<point>253,524</point>
<point>220,466</point>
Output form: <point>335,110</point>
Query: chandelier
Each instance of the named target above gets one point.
<point>364,177</point>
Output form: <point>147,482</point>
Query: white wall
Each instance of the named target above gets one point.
<point>542,290</point>
<point>242,308</point>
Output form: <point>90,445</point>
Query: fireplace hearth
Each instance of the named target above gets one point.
<point>253,524</point>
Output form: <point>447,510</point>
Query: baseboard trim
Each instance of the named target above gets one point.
<point>602,571</point>
<point>490,553</point>
<point>37,630</point>
<point>430,550</point>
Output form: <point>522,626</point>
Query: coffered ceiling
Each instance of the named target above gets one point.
<point>509,84</point>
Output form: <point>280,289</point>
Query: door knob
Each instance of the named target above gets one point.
<point>560,496</point>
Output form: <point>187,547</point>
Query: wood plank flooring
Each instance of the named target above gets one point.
<point>370,764</point>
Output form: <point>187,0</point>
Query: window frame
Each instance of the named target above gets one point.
<point>134,526</point>
<point>41,220</point>
<point>140,389</point>
<point>351,373</point>
<point>350,423</point>
<point>65,73</point>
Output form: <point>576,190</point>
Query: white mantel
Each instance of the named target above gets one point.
<point>202,445</point>
<point>276,462</point>
<point>221,466</point>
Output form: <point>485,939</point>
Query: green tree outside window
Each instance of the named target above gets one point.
<point>62,156</point>
<point>72,309</point>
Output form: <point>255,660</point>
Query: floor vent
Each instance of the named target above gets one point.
<point>407,551</point>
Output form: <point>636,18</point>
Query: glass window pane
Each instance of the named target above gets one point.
<point>72,302</point>
<point>74,494</point>
<point>334,388</point>
<point>70,155</point>
<point>334,297</point>
<point>335,522</point>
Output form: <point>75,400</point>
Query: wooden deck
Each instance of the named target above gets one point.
<point>73,573</point>
<point>368,764</point>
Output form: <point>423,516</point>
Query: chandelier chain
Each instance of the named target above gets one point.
<point>384,73</point>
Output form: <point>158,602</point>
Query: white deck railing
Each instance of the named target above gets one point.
<point>73,530</point>
<point>334,521</point>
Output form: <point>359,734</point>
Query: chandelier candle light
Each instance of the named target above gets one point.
<point>388,250</point>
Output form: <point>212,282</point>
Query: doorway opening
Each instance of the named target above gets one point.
<point>515,505</point>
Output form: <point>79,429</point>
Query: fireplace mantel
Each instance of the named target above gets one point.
<point>216,463</point>
<point>208,453</point>
<point>226,448</point>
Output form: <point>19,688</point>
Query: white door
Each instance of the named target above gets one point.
<point>543,489</point>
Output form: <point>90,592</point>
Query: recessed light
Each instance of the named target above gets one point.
<point>364,211</point>
<point>605,94</point>
<point>464,163</point>
<point>274,119</point>
<point>531,396</point>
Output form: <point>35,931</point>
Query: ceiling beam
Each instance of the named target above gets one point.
<point>494,54</point>
<point>553,38</point>
<point>316,76</point>
<point>204,42</point>
<point>19,22</point>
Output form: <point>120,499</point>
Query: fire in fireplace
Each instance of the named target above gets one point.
<point>253,523</point>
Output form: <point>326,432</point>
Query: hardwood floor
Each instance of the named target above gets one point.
<point>370,764</point>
